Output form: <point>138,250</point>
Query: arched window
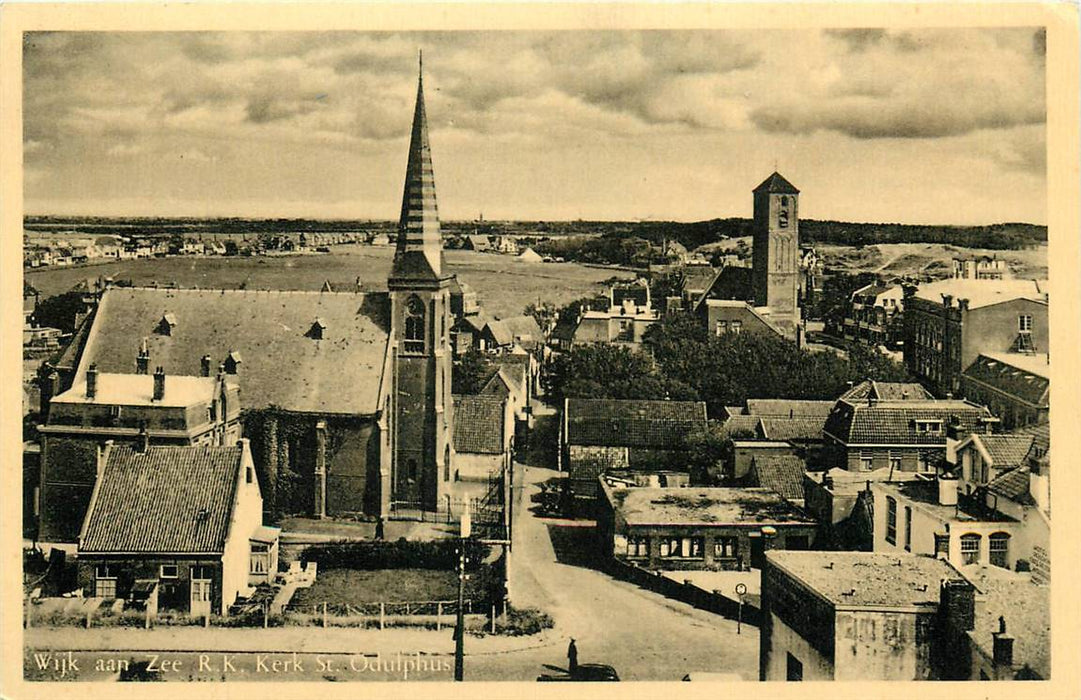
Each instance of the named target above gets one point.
<point>782,218</point>
<point>998,549</point>
<point>970,548</point>
<point>414,325</point>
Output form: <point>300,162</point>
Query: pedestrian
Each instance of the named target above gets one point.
<point>572,656</point>
<point>379,528</point>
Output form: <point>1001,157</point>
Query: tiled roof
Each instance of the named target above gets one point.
<point>776,184</point>
<point>612,422</point>
<point>168,499</point>
<point>524,329</point>
<point>697,279</point>
<point>1009,377</point>
<point>887,391</point>
<point>1013,485</point>
<point>282,366</point>
<point>868,578</point>
<point>740,426</point>
<point>501,334</point>
<point>478,424</point>
<point>801,428</point>
<point>782,474</point>
<point>789,408</point>
<point>1006,450</point>
<point>1026,608</point>
<point>894,422</point>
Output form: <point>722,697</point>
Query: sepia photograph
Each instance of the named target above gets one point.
<point>586,353</point>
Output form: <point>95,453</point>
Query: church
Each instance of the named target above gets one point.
<point>763,298</point>
<point>345,396</point>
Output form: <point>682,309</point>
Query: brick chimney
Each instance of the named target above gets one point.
<point>142,361</point>
<point>159,383</point>
<point>143,443</point>
<point>204,365</point>
<point>91,381</point>
<point>1002,649</point>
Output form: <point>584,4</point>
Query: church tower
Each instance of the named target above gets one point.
<point>420,336</point>
<point>776,252</point>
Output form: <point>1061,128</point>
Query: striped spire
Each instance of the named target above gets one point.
<point>418,227</point>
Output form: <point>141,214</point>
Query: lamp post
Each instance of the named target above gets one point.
<point>459,632</point>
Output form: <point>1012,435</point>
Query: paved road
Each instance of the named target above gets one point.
<point>645,636</point>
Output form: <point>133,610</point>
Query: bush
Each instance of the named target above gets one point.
<point>402,554</point>
<point>522,622</point>
<point>1022,565</point>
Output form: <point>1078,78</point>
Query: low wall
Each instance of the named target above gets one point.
<point>685,592</point>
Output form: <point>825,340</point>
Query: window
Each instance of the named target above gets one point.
<point>201,572</point>
<point>260,558</point>
<point>908,529</point>
<point>737,327</point>
<point>169,571</point>
<point>683,547</point>
<point>637,546</point>
<point>929,427</point>
<point>722,327</point>
<point>970,549</point>
<point>725,548</point>
<point>942,545</point>
<point>782,218</point>
<point>414,325</point>
<point>104,581</point>
<point>998,549</point>
<point>249,475</point>
<point>411,471</point>
<point>1024,323</point>
<point>793,668</point>
<point>895,461</point>
<point>891,519</point>
<point>866,461</point>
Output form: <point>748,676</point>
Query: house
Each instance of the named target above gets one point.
<point>529,256</point>
<point>874,314</point>
<point>600,435</point>
<point>123,408</point>
<point>346,393</point>
<point>524,331</point>
<point>1015,386</point>
<point>626,319</point>
<point>789,408</point>
<point>842,503</point>
<point>506,245</point>
<point>982,267</point>
<point>723,316</point>
<point>510,381</point>
<point>696,281</point>
<point>948,324</point>
<point>842,616</point>
<point>871,390</point>
<point>782,474</point>
<point>478,243</point>
<point>483,436</point>
<point>183,524</point>
<point>905,435</point>
<point>698,528</point>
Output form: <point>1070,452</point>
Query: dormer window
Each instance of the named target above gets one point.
<point>414,325</point>
<point>232,362</point>
<point>929,427</point>
<point>318,329</point>
<point>167,323</point>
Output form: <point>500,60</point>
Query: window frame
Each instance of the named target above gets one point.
<point>891,520</point>
<point>1024,323</point>
<point>970,555</point>
<point>1002,539</point>
<point>414,326</point>
<point>168,577</point>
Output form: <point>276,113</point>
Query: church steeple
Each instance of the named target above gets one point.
<point>419,254</point>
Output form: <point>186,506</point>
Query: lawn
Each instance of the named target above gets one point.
<point>505,286</point>
<point>353,587</point>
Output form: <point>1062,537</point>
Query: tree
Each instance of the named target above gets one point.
<point>470,372</point>
<point>610,371</point>
<point>60,311</point>
<point>705,450</point>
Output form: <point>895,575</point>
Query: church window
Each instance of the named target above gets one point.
<point>784,201</point>
<point>782,218</point>
<point>414,325</point>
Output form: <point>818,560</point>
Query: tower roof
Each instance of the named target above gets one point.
<point>419,254</point>
<point>776,184</point>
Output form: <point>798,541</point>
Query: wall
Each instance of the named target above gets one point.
<point>1014,412</point>
<point>710,534</point>
<point>783,640</point>
<point>477,466</point>
<point>994,328</point>
<point>886,645</point>
<point>586,463</point>
<point>174,594</point>
<point>68,472</point>
<point>247,516</point>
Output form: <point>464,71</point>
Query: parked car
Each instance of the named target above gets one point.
<point>584,673</point>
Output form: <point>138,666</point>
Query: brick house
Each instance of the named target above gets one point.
<point>186,521</point>
<point>1015,386</point>
<point>483,436</point>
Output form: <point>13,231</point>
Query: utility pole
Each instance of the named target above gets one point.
<point>459,632</point>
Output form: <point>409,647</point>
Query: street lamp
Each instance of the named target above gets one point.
<point>459,634</point>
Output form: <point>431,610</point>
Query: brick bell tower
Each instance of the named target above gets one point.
<point>776,252</point>
<point>420,336</point>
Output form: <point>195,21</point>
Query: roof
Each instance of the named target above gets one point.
<point>478,424</point>
<point>738,425</point>
<point>704,506</point>
<point>1013,484</point>
<point>523,328</point>
<point>788,407</point>
<point>697,279</point>
<point>887,391</point>
<point>501,334</point>
<point>776,184</point>
<point>894,422</point>
<point>924,493</point>
<point>479,242</point>
<point>782,474</point>
<point>282,366</point>
<point>1009,450</point>
<point>1021,376</point>
<point>613,422</point>
<point>1026,609</point>
<point>168,499</point>
<point>138,390</point>
<point>983,292</point>
<point>799,428</point>
<point>868,579</point>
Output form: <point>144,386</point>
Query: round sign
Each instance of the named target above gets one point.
<point>741,588</point>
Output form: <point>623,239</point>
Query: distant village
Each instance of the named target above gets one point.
<point>187,443</point>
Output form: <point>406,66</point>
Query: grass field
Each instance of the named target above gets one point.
<point>352,587</point>
<point>505,286</point>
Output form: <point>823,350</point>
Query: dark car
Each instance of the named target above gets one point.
<point>584,672</point>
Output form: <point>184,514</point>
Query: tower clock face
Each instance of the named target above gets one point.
<point>416,306</point>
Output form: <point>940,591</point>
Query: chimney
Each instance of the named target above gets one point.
<point>50,387</point>
<point>103,456</point>
<point>1002,649</point>
<point>92,381</point>
<point>957,600</point>
<point>204,364</point>
<point>142,360</point>
<point>143,443</point>
<point>947,489</point>
<point>159,383</point>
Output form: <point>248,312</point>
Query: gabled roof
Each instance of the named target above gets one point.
<point>478,424</point>
<point>894,422</point>
<point>282,366</point>
<point>782,474</point>
<point>168,499</point>
<point>1003,451</point>
<point>887,391</point>
<point>500,333</point>
<point>801,428</point>
<point>1013,484</point>
<point>524,329</point>
<point>697,279</point>
<point>788,408</point>
<point>740,425</point>
<point>612,422</point>
<point>775,184</point>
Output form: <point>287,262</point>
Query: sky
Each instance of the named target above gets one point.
<point>911,126</point>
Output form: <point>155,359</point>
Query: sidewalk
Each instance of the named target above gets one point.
<point>307,640</point>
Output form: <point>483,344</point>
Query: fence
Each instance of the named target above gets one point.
<point>687,592</point>
<point>428,613</point>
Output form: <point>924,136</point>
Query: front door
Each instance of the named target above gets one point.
<point>200,591</point>
<point>758,552</point>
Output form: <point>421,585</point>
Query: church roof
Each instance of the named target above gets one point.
<point>420,247</point>
<point>283,366</point>
<point>775,184</point>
